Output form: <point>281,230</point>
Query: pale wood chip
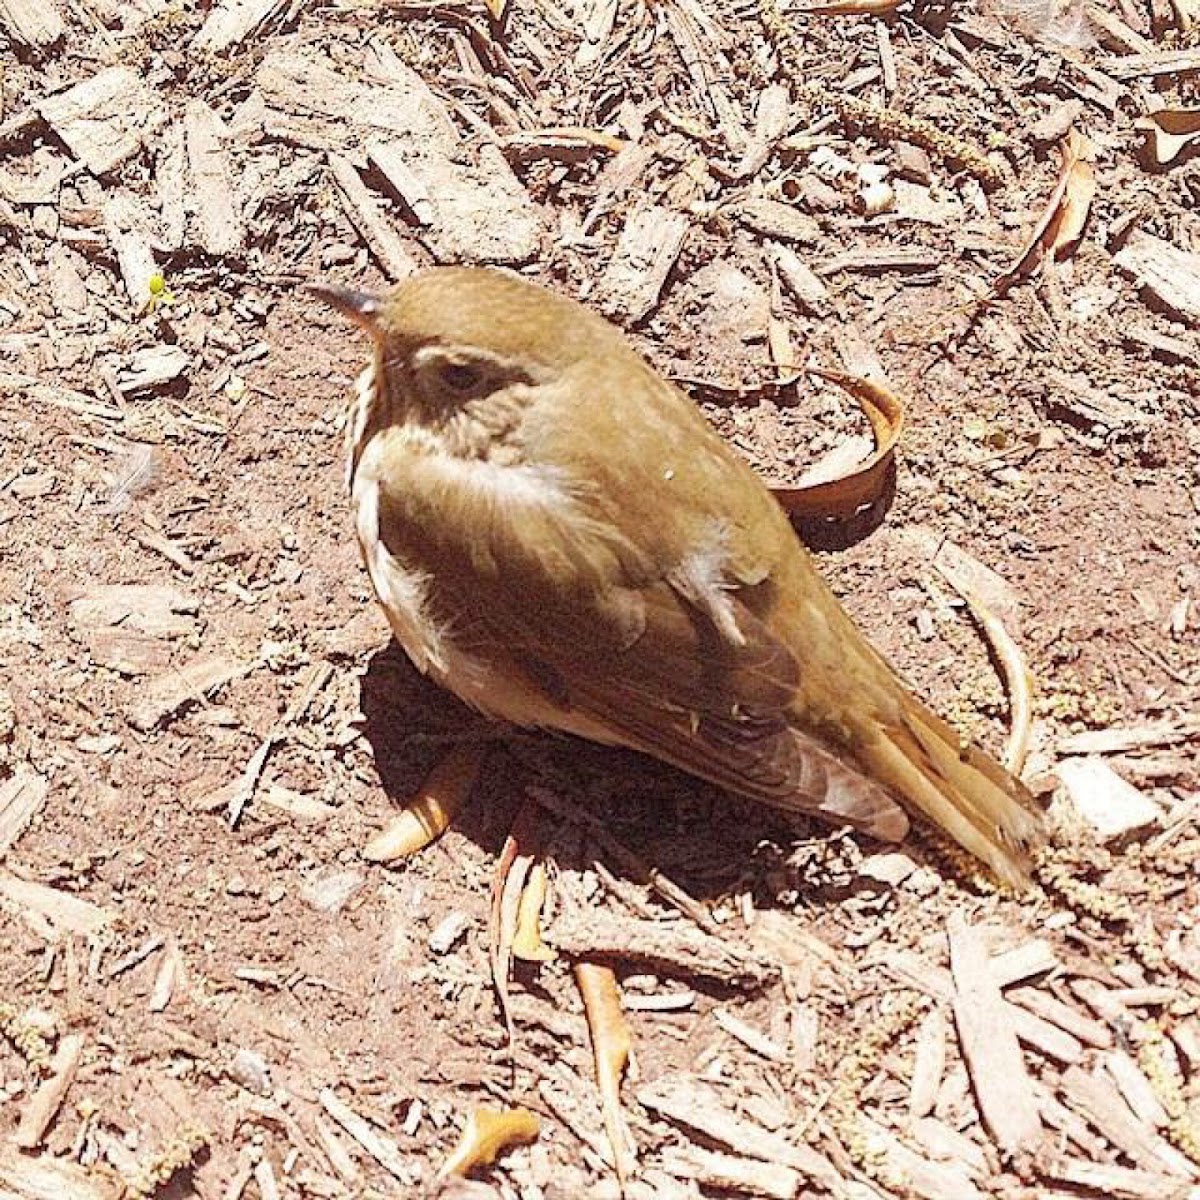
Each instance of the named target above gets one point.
<point>151,367</point>
<point>378,1145</point>
<point>1034,957</point>
<point>105,119</point>
<point>805,285</point>
<point>362,209</point>
<point>166,977</point>
<point>1136,1088</point>
<point>127,226</point>
<point>157,610</point>
<point>1102,800</point>
<point>1113,1182</point>
<point>166,695</point>
<point>649,245</point>
<point>1170,274</point>
<point>755,1039</point>
<point>20,799</point>
<point>1130,737</point>
<point>872,261</point>
<point>943,1143</point>
<point>1069,1124</point>
<point>41,907</point>
<point>219,227</point>
<point>1044,1036</point>
<point>694,1104</point>
<point>724,1172</point>
<point>1074,1022</point>
<point>171,183</point>
<point>44,1177</point>
<point>930,1180</point>
<point>597,18</point>
<point>340,110</point>
<point>774,219</point>
<point>989,1044</point>
<point>232,21</point>
<point>477,211</point>
<point>1097,1100</point>
<point>929,1063</point>
<point>598,934</point>
<point>37,24</point>
<point>1161,62</point>
<point>44,1104</point>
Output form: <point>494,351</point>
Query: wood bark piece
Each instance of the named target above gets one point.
<point>1169,274</point>
<point>1050,1008</point>
<point>158,610</point>
<point>929,1063</point>
<point>923,1177</point>
<point>1115,1183</point>
<point>989,1044</point>
<point>47,909</point>
<point>219,227</point>
<point>362,208</point>
<point>378,1145</point>
<point>232,21</point>
<point>646,252</point>
<point>127,227</point>
<point>151,367</point>
<point>44,1104</point>
<point>171,182</point>
<point>1162,62</point>
<point>679,948</point>
<point>36,24</point>
<point>692,1103</point>
<point>472,211</point>
<point>44,1177</point>
<point>1097,1100</point>
<point>774,219</point>
<point>105,119</point>
<point>340,112</point>
<point>20,799</point>
<point>170,692</point>
<point>727,1173</point>
<point>805,285</point>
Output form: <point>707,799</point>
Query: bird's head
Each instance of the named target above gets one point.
<point>452,335</point>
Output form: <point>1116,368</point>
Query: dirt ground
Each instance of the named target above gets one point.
<point>194,1006</point>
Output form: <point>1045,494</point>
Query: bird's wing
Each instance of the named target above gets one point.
<point>658,639</point>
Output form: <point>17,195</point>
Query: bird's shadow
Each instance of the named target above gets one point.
<point>709,842</point>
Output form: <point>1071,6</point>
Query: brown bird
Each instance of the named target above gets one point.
<point>559,537</point>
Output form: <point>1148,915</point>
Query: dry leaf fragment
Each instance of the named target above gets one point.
<point>428,815</point>
<point>508,887</point>
<point>862,485</point>
<point>1060,226</point>
<point>527,943</point>
<point>612,1043</point>
<point>489,1132</point>
<point>1017,678</point>
<point>1171,130</point>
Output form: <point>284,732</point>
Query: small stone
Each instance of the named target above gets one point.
<point>331,892</point>
<point>890,869</point>
<point>448,931</point>
<point>251,1071</point>
<point>1101,798</point>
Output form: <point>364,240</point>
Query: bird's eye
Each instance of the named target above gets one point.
<point>461,377</point>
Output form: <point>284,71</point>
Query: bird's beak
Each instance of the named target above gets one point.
<point>363,308</point>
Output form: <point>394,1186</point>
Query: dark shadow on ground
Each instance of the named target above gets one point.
<point>709,842</point>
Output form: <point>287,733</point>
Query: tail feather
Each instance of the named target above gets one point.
<point>962,791</point>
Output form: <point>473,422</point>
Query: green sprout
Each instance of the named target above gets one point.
<point>160,294</point>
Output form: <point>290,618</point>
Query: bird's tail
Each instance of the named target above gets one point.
<point>959,789</point>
